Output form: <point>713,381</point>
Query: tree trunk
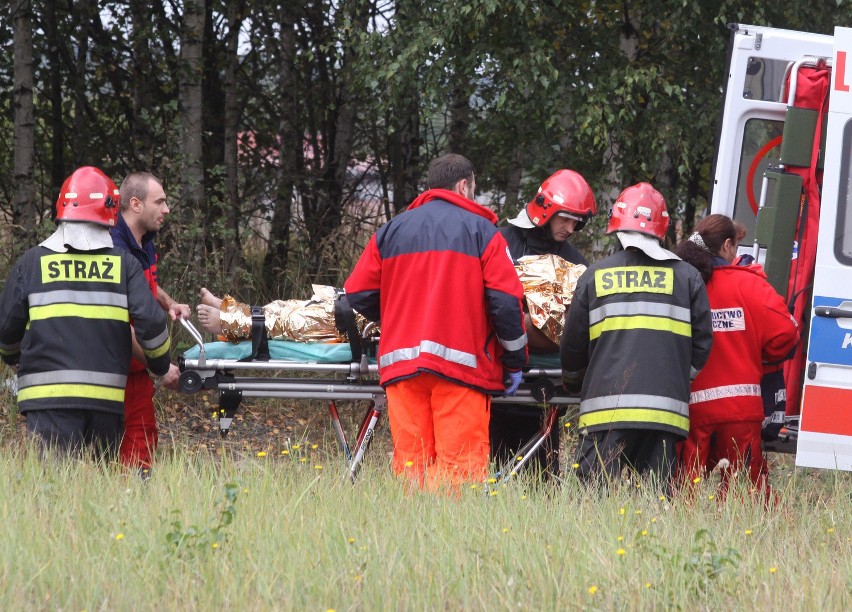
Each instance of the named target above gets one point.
<point>404,154</point>
<point>83,14</point>
<point>143,138</point>
<point>324,217</point>
<point>289,156</point>
<point>55,69</point>
<point>23,212</point>
<point>233,248</point>
<point>190,110</point>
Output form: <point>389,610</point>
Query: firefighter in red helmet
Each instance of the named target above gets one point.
<point>639,328</point>
<point>74,295</point>
<point>563,204</point>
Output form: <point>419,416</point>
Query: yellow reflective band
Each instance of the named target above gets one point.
<point>640,322</point>
<point>84,391</point>
<point>634,415</point>
<point>634,279</point>
<point>159,351</point>
<point>111,313</point>
<point>81,267</point>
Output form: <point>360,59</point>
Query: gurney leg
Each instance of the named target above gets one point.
<point>377,406</point>
<point>523,456</point>
<point>338,431</point>
<point>229,401</point>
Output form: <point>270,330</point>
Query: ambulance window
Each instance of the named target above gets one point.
<point>843,236</point>
<point>764,79</point>
<point>761,147</point>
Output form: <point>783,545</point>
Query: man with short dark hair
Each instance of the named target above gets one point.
<point>143,208</point>
<point>440,280</point>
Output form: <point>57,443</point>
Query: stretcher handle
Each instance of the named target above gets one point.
<point>196,335</point>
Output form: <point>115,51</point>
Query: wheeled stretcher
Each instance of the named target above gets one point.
<point>337,372</point>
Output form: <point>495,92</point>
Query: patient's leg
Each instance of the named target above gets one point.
<point>209,318</point>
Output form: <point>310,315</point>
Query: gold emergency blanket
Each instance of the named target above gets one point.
<point>549,283</point>
<point>296,320</point>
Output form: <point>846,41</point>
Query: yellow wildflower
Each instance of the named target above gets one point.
<point>621,552</point>
<point>409,463</point>
<point>318,467</point>
<point>593,589</point>
<point>748,532</point>
<point>772,570</point>
<point>261,454</point>
<point>697,479</point>
<point>119,536</point>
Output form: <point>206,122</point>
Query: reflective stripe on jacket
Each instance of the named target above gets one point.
<point>75,308</point>
<point>636,329</point>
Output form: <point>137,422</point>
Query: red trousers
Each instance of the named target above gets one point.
<point>439,431</point>
<point>739,443</point>
<point>140,422</point>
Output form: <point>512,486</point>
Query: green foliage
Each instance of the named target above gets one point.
<point>190,540</point>
<point>707,563</point>
<point>335,131</point>
<point>305,538</point>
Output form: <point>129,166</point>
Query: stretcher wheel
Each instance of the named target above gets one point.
<point>189,382</point>
<point>542,389</point>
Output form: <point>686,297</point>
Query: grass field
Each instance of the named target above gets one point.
<point>284,530</point>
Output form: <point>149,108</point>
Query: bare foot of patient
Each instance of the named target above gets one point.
<point>209,299</point>
<point>208,311</point>
<point>209,318</point>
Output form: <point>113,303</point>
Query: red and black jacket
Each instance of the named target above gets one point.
<point>441,280</point>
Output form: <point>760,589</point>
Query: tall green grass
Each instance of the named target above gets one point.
<point>276,532</point>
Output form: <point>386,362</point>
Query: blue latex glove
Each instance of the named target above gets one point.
<point>512,380</point>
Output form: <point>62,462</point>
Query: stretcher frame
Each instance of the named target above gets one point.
<point>353,381</point>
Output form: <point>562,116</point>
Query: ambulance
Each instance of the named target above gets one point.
<point>782,169</point>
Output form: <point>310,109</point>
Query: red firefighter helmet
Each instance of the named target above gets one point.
<point>640,208</point>
<point>564,193</point>
<point>88,195</point>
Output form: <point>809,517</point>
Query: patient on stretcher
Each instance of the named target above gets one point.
<point>295,320</point>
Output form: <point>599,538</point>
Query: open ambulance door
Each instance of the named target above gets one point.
<point>768,167</point>
<point>825,434</point>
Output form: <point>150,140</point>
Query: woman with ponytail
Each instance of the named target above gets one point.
<point>751,326</point>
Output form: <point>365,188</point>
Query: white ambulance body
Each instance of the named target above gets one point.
<point>752,173</point>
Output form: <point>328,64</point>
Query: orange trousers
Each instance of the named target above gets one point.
<point>439,431</point>
<point>140,422</point>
